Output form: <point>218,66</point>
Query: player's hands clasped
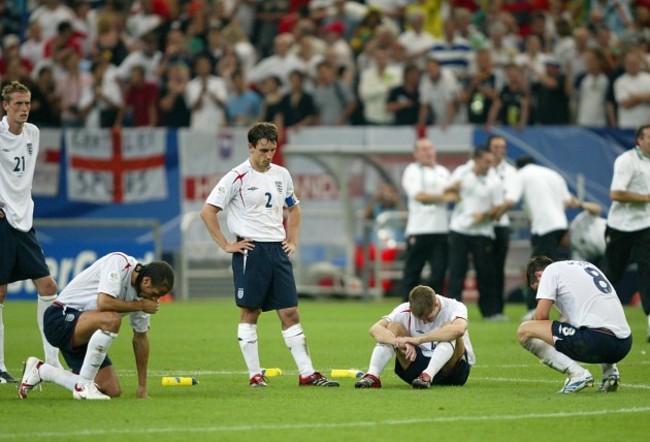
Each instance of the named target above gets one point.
<point>407,347</point>
<point>150,306</point>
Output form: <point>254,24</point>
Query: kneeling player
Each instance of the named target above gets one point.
<point>429,336</point>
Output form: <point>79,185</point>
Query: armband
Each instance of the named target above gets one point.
<point>291,200</point>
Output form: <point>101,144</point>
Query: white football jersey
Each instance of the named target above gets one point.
<point>425,218</point>
<point>17,163</point>
<point>632,174</point>
<point>254,201</point>
<point>584,296</point>
<point>110,274</point>
<point>450,309</point>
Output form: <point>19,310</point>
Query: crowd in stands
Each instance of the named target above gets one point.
<point>207,64</point>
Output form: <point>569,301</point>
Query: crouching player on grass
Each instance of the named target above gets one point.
<point>430,339</point>
<point>85,319</point>
<point>594,329</point>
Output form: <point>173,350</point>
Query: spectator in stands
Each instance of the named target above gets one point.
<point>501,52</point>
<point>64,38</point>
<point>84,24</point>
<point>333,100</point>
<point>374,85</point>
<point>11,17</point>
<point>44,111</point>
<point>342,12</point>
<point>333,38</point>
<point>439,92</point>
<point>512,106</point>
<point>632,93</point>
<point>109,43</point>
<point>174,111</point>
<point>415,39</point>
<point>453,51</point>
<point>280,64</point>
<point>145,16</point>
<point>101,103</point>
<point>309,59</point>
<point>49,15</point>
<point>141,100</point>
<point>481,88</point>
<point>176,50</point>
<point>552,94</point>
<point>272,96</point>
<point>234,37</point>
<point>615,14</point>
<point>427,228</point>
<point>591,92</point>
<point>297,108</point>
<point>243,106</point>
<point>478,194</point>
<point>404,100</point>
<point>575,54</point>
<point>268,14</point>
<point>11,50</point>
<point>206,96</point>
<point>226,67</point>
<point>532,60</point>
<point>366,30</point>
<point>70,84</point>
<point>393,9</point>
<point>147,56</point>
<point>33,48</point>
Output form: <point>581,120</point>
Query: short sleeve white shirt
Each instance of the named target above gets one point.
<point>254,201</point>
<point>477,194</point>
<point>632,174</point>
<point>544,192</point>
<point>210,116</point>
<point>110,274</point>
<point>17,163</point>
<point>450,309</point>
<point>584,296</point>
<point>425,218</point>
<point>506,173</point>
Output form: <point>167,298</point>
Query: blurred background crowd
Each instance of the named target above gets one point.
<point>207,64</point>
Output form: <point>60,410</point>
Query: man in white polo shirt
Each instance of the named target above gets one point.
<point>628,223</point>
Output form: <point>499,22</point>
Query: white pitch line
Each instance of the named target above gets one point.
<point>319,426</point>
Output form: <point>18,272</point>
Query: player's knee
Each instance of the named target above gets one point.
<point>111,322</point>
<point>523,333</point>
<point>112,389</point>
<point>47,288</point>
<point>397,329</point>
<point>3,293</point>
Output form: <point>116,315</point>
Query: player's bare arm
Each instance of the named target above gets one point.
<point>141,352</point>
<point>447,333</point>
<point>624,196</point>
<point>380,332</point>
<point>209,216</point>
<point>543,310</point>
<point>107,303</point>
<point>290,244</point>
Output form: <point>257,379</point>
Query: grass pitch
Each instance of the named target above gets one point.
<point>509,395</point>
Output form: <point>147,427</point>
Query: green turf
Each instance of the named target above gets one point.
<point>509,396</point>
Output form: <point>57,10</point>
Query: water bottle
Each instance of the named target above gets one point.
<point>173,381</point>
<point>346,373</point>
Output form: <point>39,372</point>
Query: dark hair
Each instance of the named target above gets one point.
<point>160,272</point>
<point>479,152</point>
<point>639,131</point>
<point>536,264</point>
<point>524,161</point>
<point>493,137</point>
<point>410,68</point>
<point>262,130</point>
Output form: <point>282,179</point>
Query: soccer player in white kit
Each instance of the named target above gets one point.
<point>21,256</point>
<point>84,321</point>
<point>429,336</point>
<point>254,195</point>
<point>593,329</point>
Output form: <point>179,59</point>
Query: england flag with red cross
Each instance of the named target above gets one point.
<point>114,166</point>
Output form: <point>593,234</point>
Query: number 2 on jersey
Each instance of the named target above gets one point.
<point>268,200</point>
<point>599,279</point>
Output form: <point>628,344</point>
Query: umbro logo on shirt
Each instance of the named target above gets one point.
<point>252,189</point>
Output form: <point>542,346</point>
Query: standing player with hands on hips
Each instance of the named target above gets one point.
<point>254,195</point>
<point>21,256</point>
<point>84,321</point>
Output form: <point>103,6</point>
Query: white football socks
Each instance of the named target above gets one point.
<point>59,376</point>
<point>553,358</point>
<point>51,353</point>
<point>608,369</point>
<point>440,356</point>
<point>297,343</point>
<point>2,342</point>
<point>247,337</point>
<point>98,346</point>
<point>381,356</point>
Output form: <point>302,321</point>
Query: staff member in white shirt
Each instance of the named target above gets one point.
<point>594,329</point>
<point>628,223</point>
<point>427,228</point>
<point>84,321</point>
<point>478,194</point>
<point>21,256</point>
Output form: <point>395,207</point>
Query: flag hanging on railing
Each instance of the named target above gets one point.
<point>108,166</point>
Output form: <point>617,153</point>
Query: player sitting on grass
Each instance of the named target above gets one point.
<point>84,321</point>
<point>429,336</point>
<point>594,329</point>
